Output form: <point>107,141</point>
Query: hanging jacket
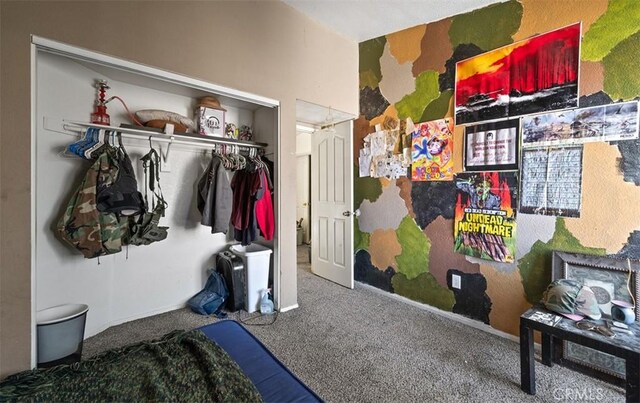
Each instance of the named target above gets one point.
<point>215,196</point>
<point>92,232</point>
<point>264,209</point>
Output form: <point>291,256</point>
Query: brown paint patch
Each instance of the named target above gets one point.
<point>441,256</point>
<point>405,192</point>
<point>391,112</point>
<point>436,48</point>
<point>591,77</point>
<point>383,248</point>
<point>508,300</point>
<point>540,16</point>
<point>405,45</point>
<point>384,182</point>
<point>609,204</point>
<point>361,129</point>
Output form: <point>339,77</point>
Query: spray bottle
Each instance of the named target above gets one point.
<point>266,305</point>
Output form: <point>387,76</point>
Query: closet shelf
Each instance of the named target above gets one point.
<point>158,135</point>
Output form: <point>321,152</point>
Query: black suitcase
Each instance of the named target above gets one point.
<point>231,268</point>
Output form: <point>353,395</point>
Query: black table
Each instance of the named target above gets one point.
<point>625,346</point>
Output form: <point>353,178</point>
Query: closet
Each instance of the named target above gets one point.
<point>141,280</point>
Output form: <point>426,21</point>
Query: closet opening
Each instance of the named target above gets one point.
<point>143,280</point>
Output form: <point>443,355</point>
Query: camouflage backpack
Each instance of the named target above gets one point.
<point>145,229</point>
<point>92,232</point>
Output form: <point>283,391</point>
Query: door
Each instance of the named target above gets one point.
<point>331,198</point>
<point>303,189</point>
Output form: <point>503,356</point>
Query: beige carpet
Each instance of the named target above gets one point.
<point>363,346</point>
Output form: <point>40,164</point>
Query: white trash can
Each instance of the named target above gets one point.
<point>256,260</point>
<point>60,334</point>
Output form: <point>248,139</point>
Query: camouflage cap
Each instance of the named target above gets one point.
<point>570,298</point>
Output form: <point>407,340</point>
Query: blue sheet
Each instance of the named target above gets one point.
<point>272,379</point>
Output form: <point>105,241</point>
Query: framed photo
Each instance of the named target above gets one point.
<point>492,146</point>
<point>610,279</point>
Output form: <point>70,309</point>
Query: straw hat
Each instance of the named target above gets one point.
<point>210,102</point>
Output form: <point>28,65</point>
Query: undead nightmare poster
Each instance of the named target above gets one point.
<point>485,215</point>
<point>534,75</point>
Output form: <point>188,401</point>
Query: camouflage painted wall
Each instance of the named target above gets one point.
<point>411,74</point>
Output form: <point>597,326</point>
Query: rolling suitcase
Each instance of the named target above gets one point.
<point>232,269</point>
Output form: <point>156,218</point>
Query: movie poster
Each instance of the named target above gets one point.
<point>485,215</point>
<point>432,151</point>
<point>534,75</point>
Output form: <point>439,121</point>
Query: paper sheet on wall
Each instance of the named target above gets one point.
<point>377,158</point>
<point>551,181</point>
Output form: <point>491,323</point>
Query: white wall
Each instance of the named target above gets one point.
<point>154,278</point>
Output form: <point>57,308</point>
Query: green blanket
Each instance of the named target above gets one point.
<point>181,366</point>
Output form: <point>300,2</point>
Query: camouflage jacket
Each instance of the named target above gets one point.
<point>91,232</point>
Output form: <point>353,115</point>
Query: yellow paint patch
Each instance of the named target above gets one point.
<point>542,16</point>
<point>384,182</point>
<point>405,45</point>
<point>609,204</point>
<point>508,300</point>
<point>458,148</point>
<point>391,111</point>
<point>591,77</point>
<point>384,247</point>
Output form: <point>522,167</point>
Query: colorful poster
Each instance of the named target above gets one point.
<point>432,151</point>
<point>551,181</point>
<point>485,215</point>
<point>534,75</point>
<point>611,122</point>
<point>491,146</point>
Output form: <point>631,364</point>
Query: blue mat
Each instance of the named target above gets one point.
<point>272,379</point>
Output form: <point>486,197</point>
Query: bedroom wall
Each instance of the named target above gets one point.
<point>404,243</point>
<point>266,48</point>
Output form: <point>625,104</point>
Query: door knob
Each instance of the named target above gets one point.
<point>348,213</point>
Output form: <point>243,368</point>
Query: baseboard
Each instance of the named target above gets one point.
<point>120,321</point>
<point>288,308</point>
<point>450,315</point>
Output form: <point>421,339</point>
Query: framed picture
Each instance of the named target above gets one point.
<point>610,279</point>
<point>492,146</point>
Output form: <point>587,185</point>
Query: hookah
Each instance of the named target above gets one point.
<point>99,115</point>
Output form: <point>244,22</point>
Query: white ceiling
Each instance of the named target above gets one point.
<point>361,20</point>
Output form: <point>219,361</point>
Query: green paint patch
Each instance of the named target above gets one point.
<point>535,266</point>
<point>361,240</point>
<point>620,82</point>
<point>619,22</point>
<point>368,79</point>
<point>414,259</point>
<point>438,108</point>
<point>365,188</point>
<point>413,105</point>
<point>489,28</point>
<point>424,288</point>
<point>370,53</point>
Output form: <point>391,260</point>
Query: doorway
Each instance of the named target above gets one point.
<point>324,191</point>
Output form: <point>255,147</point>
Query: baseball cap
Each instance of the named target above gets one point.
<point>571,299</point>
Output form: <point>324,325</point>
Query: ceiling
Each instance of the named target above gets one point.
<point>360,20</point>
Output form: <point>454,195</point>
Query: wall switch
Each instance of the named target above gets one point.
<point>455,281</point>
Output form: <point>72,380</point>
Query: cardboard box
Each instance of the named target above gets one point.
<point>210,121</point>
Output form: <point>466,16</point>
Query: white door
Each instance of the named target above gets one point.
<point>304,186</point>
<point>331,199</point>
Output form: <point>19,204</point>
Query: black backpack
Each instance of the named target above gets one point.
<point>122,197</point>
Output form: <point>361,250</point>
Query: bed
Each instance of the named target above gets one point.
<point>180,366</point>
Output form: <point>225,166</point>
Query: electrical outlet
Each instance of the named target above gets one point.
<point>456,281</point>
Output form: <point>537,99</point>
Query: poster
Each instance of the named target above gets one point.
<point>491,146</point>
<point>534,75</point>
<point>611,122</point>
<point>485,215</point>
<point>551,181</point>
<point>432,151</point>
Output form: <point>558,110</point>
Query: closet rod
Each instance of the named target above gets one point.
<point>174,138</point>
